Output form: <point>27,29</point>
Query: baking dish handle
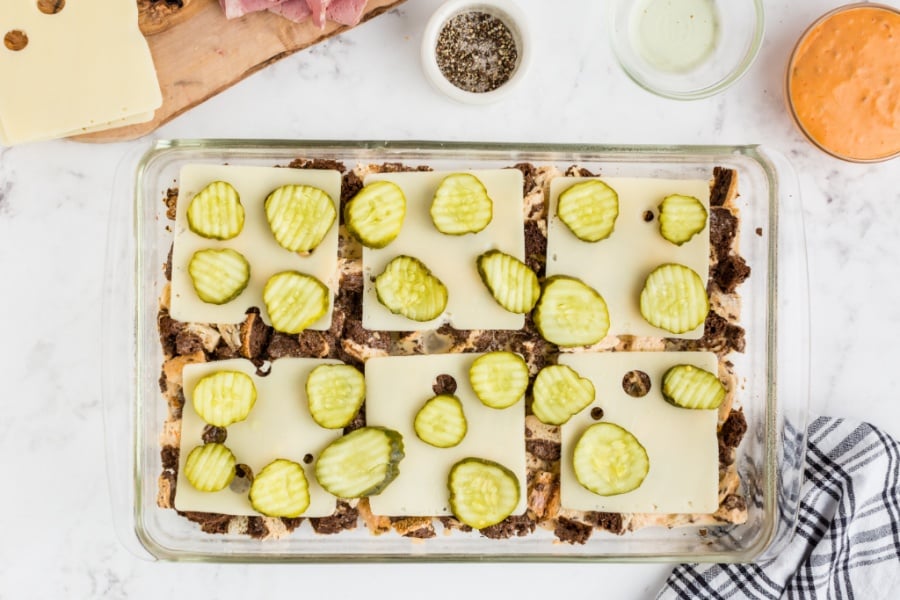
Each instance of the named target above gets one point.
<point>117,354</point>
<point>792,367</point>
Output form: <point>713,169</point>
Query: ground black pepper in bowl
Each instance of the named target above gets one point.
<point>476,52</point>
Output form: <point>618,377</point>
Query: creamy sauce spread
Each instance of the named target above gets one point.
<point>844,83</point>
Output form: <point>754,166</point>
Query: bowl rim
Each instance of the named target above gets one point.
<point>798,124</point>
<point>512,17</point>
<point>733,77</point>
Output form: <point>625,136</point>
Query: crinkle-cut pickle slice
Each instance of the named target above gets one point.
<point>224,397</point>
<point>441,421</point>
<point>499,379</point>
<point>681,218</point>
<point>216,212</point>
<point>407,287</point>
<point>294,301</point>
<point>589,209</point>
<point>210,467</point>
<point>570,312</point>
<point>674,298</point>
<point>280,490</point>
<point>461,205</point>
<point>299,216</point>
<point>482,492</point>
<point>688,386</point>
<point>560,393</point>
<point>608,460</point>
<point>513,285</point>
<point>335,393</point>
<point>362,463</point>
<point>374,216</point>
<point>218,275</point>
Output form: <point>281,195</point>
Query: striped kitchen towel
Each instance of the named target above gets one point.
<point>847,543</point>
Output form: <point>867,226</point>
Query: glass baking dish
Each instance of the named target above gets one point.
<point>773,371</point>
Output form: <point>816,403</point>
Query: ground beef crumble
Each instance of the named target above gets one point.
<point>344,517</point>
<point>571,531</point>
<point>512,526</point>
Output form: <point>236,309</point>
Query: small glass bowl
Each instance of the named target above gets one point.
<point>505,10</point>
<point>868,156</point>
<point>739,27</point>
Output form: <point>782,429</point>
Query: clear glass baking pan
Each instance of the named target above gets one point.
<point>773,371</point>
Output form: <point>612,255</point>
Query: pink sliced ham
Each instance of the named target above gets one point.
<point>293,10</point>
<point>318,8</point>
<point>238,8</point>
<point>346,12</point>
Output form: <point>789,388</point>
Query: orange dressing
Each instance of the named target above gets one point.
<point>844,83</point>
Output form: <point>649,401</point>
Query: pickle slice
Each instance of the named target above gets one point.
<point>335,393</point>
<point>608,460</point>
<point>482,492</point>
<point>216,212</point>
<point>362,463</point>
<point>589,209</point>
<point>499,379</point>
<point>513,285</point>
<point>441,422</point>
<point>681,218</point>
<point>571,313</point>
<point>299,216</point>
<point>461,205</point>
<point>294,301</point>
<point>406,287</point>
<point>224,397</point>
<point>560,393</point>
<point>688,386</point>
<point>210,467</point>
<point>218,276</point>
<point>280,490</point>
<point>374,216</point>
<point>674,298</point>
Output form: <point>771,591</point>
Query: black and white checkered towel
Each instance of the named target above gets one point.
<point>847,543</point>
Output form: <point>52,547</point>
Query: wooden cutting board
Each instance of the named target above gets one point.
<point>201,53</point>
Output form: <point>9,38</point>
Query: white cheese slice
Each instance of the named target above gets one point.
<point>255,242</point>
<point>396,388</point>
<point>132,120</point>
<point>680,443</point>
<point>84,67</point>
<point>451,258</point>
<point>618,266</point>
<point>279,426</point>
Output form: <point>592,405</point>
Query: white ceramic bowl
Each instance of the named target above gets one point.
<point>505,10</point>
<point>739,27</point>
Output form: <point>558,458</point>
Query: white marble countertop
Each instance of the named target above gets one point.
<point>58,540</point>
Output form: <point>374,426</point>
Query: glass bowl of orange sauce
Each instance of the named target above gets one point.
<point>843,83</point>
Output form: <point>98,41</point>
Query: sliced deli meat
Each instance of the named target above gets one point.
<point>318,8</point>
<point>238,8</point>
<point>346,12</point>
<point>293,10</point>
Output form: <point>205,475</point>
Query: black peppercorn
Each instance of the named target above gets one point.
<point>476,52</point>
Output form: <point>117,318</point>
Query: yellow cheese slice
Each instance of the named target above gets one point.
<point>452,258</point>
<point>278,426</point>
<point>681,443</point>
<point>255,242</point>
<point>396,388</point>
<point>618,266</point>
<point>84,67</point>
